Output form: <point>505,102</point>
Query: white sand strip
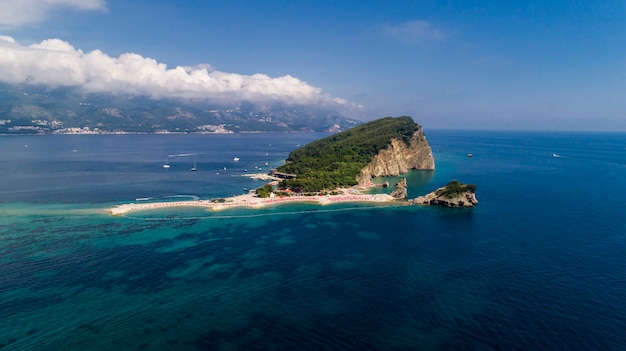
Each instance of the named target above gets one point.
<point>250,200</point>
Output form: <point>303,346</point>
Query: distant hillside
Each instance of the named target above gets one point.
<point>387,146</point>
<point>26,109</point>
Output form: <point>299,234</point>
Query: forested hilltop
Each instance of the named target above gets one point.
<point>337,160</point>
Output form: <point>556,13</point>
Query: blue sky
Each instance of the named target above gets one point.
<point>548,65</point>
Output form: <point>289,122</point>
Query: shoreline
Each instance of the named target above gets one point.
<point>252,201</point>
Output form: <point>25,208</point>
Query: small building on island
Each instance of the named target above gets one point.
<point>282,175</point>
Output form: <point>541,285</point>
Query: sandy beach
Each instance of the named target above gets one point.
<point>251,200</point>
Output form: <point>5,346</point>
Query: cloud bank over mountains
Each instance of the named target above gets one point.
<point>56,63</point>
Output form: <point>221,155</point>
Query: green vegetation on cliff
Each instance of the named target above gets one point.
<point>455,188</point>
<point>336,160</point>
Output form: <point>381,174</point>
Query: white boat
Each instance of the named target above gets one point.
<point>236,159</point>
<point>194,168</point>
<point>166,165</point>
<point>555,155</point>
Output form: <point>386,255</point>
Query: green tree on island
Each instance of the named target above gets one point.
<point>455,188</point>
<point>264,191</point>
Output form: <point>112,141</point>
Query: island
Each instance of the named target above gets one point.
<point>339,168</point>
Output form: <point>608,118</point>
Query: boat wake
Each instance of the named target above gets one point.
<point>193,197</point>
<point>606,162</point>
<point>185,155</point>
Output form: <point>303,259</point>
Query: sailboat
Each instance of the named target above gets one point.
<point>166,165</point>
<point>194,168</point>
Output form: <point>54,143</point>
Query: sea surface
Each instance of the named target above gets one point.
<point>539,264</point>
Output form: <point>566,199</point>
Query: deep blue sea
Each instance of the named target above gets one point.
<point>539,264</point>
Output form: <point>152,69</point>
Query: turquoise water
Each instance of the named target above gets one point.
<point>537,265</point>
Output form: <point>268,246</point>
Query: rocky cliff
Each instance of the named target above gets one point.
<point>399,158</point>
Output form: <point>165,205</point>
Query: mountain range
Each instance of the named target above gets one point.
<point>30,109</point>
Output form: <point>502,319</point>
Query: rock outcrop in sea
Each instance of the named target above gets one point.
<point>466,197</point>
<point>398,158</point>
<point>400,190</point>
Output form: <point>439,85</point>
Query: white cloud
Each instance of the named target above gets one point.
<point>22,12</point>
<point>414,32</point>
<point>54,62</point>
